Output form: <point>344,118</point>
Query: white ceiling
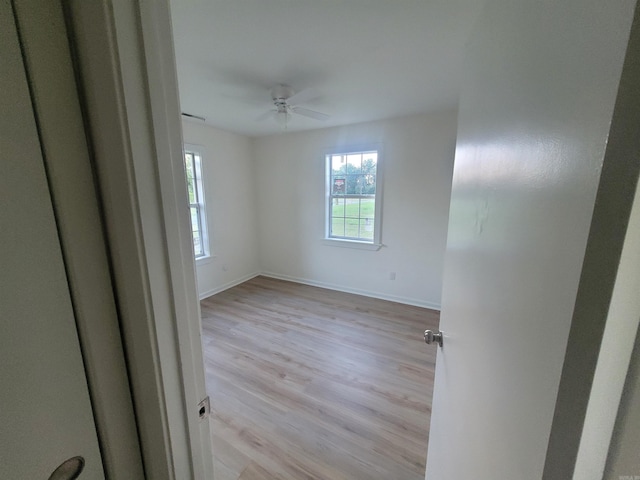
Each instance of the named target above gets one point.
<point>367,59</point>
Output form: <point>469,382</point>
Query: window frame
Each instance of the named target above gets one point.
<point>376,243</point>
<point>200,205</point>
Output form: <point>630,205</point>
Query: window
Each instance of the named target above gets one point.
<point>193,169</point>
<point>353,196</point>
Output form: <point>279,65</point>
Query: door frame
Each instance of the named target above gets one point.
<point>54,97</point>
<point>598,355</point>
<point>125,67</point>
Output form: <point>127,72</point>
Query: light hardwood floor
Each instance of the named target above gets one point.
<point>308,383</point>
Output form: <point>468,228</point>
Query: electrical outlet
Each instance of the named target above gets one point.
<point>392,276</point>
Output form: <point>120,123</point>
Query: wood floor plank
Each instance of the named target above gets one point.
<point>256,472</point>
<point>230,461</point>
<point>309,383</point>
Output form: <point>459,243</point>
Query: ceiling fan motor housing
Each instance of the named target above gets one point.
<point>282,106</point>
<point>280,93</point>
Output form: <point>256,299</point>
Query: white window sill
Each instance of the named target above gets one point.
<point>338,242</point>
<point>204,260</point>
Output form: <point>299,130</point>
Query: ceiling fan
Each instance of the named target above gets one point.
<point>287,103</point>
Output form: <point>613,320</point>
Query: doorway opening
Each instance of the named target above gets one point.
<point>301,377</point>
<point>315,383</point>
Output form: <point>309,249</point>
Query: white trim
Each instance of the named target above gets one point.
<point>162,82</point>
<point>228,285</point>
<point>69,171</point>
<point>107,110</point>
<point>204,260</point>
<point>127,68</point>
<point>367,293</point>
<point>330,286</point>
<point>345,243</point>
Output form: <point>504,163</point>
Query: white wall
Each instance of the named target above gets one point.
<point>231,203</point>
<point>418,165</point>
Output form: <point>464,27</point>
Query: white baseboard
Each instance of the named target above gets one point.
<point>366,293</point>
<point>228,285</point>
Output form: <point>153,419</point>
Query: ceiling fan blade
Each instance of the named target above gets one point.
<point>305,112</point>
<point>303,96</point>
<point>266,115</point>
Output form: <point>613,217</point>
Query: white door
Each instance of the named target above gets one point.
<point>45,410</point>
<point>536,105</point>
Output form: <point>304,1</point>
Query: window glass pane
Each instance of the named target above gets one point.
<point>369,169</point>
<point>190,177</point>
<point>369,162</point>
<point>351,184</point>
<point>195,224</point>
<point>352,208</point>
<point>354,163</point>
<point>337,227</point>
<point>337,164</point>
<point>366,228</point>
<point>197,244</point>
<point>367,208</point>
<point>337,207</point>
<point>356,185</point>
<point>361,185</point>
<point>338,185</point>
<point>197,179</point>
<point>369,184</point>
<point>352,227</point>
